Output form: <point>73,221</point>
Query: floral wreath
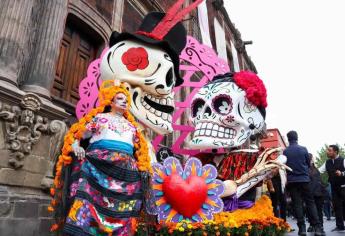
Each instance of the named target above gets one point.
<point>107,92</point>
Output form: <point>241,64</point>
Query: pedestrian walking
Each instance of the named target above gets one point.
<point>317,190</point>
<point>298,184</point>
<point>335,167</point>
<point>277,195</point>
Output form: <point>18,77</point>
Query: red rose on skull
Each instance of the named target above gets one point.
<point>135,58</point>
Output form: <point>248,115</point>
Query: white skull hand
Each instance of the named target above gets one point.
<point>223,117</point>
<point>149,71</point>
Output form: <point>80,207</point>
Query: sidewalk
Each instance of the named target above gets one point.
<point>328,226</point>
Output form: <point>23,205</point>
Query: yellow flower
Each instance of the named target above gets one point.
<point>261,212</point>
<point>181,229</point>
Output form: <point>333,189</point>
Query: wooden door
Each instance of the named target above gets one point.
<point>76,52</point>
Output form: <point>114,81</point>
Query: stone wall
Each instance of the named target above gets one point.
<point>23,211</point>
<point>31,126</point>
<point>29,145</point>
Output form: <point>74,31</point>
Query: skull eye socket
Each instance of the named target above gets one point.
<point>169,79</point>
<point>167,57</point>
<point>222,104</point>
<point>197,106</point>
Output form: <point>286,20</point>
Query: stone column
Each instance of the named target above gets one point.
<point>41,70</point>
<point>14,35</point>
<point>117,15</point>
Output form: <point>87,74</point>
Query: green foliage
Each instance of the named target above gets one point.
<point>322,158</point>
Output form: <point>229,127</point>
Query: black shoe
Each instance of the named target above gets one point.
<point>336,229</point>
<point>328,218</point>
<point>302,230</point>
<point>319,231</point>
<point>310,229</point>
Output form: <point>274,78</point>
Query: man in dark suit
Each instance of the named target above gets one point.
<point>298,184</point>
<point>335,167</point>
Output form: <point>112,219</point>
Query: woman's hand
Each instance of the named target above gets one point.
<point>78,151</point>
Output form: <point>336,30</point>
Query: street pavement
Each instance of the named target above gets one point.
<point>328,226</point>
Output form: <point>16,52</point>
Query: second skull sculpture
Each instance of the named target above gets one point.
<point>228,110</point>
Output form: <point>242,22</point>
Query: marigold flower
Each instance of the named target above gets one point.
<point>52,191</point>
<point>50,209</point>
<point>54,227</point>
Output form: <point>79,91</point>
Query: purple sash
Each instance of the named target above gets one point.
<point>232,203</point>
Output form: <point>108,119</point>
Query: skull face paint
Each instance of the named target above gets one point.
<point>149,73</point>
<point>119,103</point>
<point>223,117</point>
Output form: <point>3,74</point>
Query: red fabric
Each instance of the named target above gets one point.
<point>255,89</point>
<point>150,35</point>
<point>135,58</point>
<point>236,164</point>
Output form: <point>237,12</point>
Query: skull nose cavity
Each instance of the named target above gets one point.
<point>169,78</point>
<point>207,111</point>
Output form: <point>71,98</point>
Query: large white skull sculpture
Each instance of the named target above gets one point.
<point>223,117</point>
<point>149,72</point>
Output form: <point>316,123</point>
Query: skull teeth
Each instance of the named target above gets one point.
<point>164,101</point>
<point>214,130</point>
<point>164,116</point>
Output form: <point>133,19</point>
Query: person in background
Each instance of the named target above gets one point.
<point>277,195</point>
<point>298,184</point>
<point>335,167</point>
<point>317,190</point>
<point>327,208</point>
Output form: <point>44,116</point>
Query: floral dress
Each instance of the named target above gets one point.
<point>106,192</point>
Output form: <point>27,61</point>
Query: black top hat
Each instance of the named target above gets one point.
<point>163,30</point>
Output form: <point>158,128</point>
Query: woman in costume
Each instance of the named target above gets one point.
<point>109,179</point>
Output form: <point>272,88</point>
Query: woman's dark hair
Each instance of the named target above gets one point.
<point>335,148</point>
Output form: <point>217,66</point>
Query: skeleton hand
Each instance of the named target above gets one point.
<point>261,169</point>
<point>78,151</point>
<point>262,165</point>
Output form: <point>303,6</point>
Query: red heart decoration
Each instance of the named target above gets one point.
<point>185,196</point>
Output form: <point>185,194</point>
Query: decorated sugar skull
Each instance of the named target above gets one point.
<point>148,61</point>
<point>228,110</point>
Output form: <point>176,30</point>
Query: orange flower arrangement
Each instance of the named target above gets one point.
<point>107,92</point>
<point>261,212</point>
<point>259,220</point>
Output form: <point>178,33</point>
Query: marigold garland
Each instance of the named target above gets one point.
<point>107,92</point>
<point>258,220</point>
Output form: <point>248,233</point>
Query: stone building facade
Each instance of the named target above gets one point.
<point>45,47</point>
